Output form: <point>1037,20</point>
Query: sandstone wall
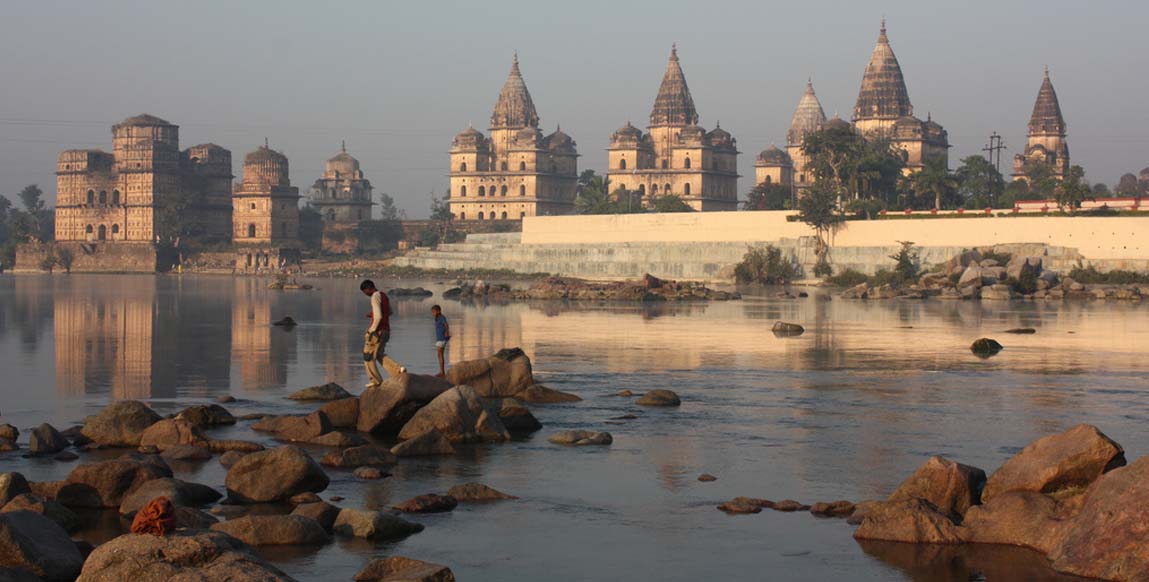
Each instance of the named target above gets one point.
<point>97,257</point>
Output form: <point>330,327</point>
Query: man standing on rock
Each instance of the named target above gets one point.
<point>375,340</point>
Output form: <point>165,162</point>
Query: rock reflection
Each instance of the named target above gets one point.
<point>940,563</point>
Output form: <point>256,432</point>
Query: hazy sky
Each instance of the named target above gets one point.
<point>398,80</point>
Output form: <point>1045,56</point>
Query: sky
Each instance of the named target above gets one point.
<point>397,80</point>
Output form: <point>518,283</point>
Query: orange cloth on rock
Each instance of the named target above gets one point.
<point>158,518</point>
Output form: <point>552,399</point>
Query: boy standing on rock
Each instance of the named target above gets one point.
<point>375,340</point>
<point>442,336</point>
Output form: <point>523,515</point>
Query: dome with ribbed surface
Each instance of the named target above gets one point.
<point>808,117</point>
<point>1046,118</point>
<point>514,109</point>
<point>772,156</point>
<point>144,119</point>
<point>720,138</point>
<point>674,106</point>
<point>266,166</point>
<point>470,138</point>
<point>559,142</point>
<point>883,94</point>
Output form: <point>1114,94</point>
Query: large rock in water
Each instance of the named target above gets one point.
<point>514,416</point>
<point>429,443</point>
<point>1018,518</point>
<point>37,544</point>
<point>386,408</point>
<point>400,569</point>
<point>460,415</point>
<point>181,493</point>
<point>1072,459</point>
<point>120,424</point>
<point>374,525</point>
<point>539,394</point>
<point>52,510</point>
<point>1110,536</point>
<point>472,492</point>
<point>275,530</point>
<point>296,428</point>
<point>46,440</point>
<point>105,484</point>
<point>914,521</point>
<point>502,375</point>
<point>951,487</point>
<point>11,485</point>
<point>173,432</point>
<point>342,413</point>
<point>274,475</point>
<point>204,415</point>
<point>362,456</point>
<point>194,556</point>
<point>326,392</point>
<point>659,397</point>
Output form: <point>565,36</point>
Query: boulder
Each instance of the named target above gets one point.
<point>516,417</point>
<point>951,487</point>
<point>37,544</point>
<point>431,442</point>
<point>186,453</point>
<point>707,478</point>
<point>502,375</point>
<point>971,277</point>
<point>475,492</point>
<point>1017,518</point>
<point>8,445</point>
<point>120,424</point>
<point>460,416</point>
<point>783,328</point>
<point>1107,539</point>
<point>659,397</point>
<point>581,438</point>
<point>12,485</point>
<point>997,292</point>
<point>181,494</point>
<point>106,483</point>
<point>46,440</point>
<point>342,413</point>
<point>172,432</point>
<point>840,508</point>
<point>401,569</point>
<point>224,446</point>
<point>225,399</point>
<point>205,415</point>
<point>386,408</point>
<point>367,473</point>
<point>539,394</point>
<point>789,505</point>
<point>46,489</point>
<point>295,428</point>
<point>192,518</point>
<point>322,512</point>
<point>985,347</point>
<point>326,392</point>
<point>361,456</point>
<point>992,275</point>
<point>1069,460</point>
<point>52,510</point>
<point>275,530</point>
<point>745,505</point>
<point>274,475</point>
<point>914,521</point>
<point>339,439</point>
<point>957,263</point>
<point>190,555</point>
<point>9,432</point>
<point>374,525</point>
<point>1019,266</point>
<point>230,458</point>
<point>428,503</point>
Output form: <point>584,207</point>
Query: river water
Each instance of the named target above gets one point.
<point>845,411</point>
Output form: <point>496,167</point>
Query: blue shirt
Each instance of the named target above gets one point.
<point>440,328</point>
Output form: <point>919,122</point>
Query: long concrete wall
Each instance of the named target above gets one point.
<point>1108,238</point>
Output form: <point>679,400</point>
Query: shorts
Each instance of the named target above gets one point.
<point>441,344</point>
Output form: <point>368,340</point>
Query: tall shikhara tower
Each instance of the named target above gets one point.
<point>517,172</point>
<point>1047,144</point>
<point>883,98</point>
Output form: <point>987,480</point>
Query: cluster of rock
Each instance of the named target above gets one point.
<point>409,292</point>
<point>649,288</point>
<point>479,290</point>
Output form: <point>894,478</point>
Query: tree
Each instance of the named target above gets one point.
<point>31,197</point>
<point>387,209</point>
<point>310,228</point>
<point>176,216</point>
<point>1127,186</point>
<point>1041,180</point>
<point>669,203</point>
<point>440,209</point>
<point>856,167</point>
<point>1072,190</point>
<point>933,180</point>
<point>768,196</point>
<point>48,263</point>
<point>594,199</point>
<point>65,258</point>
<point>765,266</point>
<point>818,208</point>
<point>909,262</point>
<point>979,184</point>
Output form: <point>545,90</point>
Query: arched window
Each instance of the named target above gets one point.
<point>504,166</point>
<point>91,197</point>
<point>462,191</point>
<point>503,192</point>
<point>115,197</point>
<point>522,215</point>
<point>102,232</point>
<point>115,229</point>
<point>251,231</point>
<point>523,190</point>
<point>622,164</point>
<point>462,216</point>
<point>482,191</point>
<point>686,189</point>
<point>769,179</point>
<point>480,216</point>
<point>88,229</point>
<point>522,166</point>
<point>103,196</point>
<point>504,215</point>
<point>687,162</point>
<point>463,167</point>
<point>642,189</point>
<point>802,178</point>
<point>666,189</point>
<point>653,189</point>
<point>665,164</point>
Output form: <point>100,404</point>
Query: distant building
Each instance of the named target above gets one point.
<point>1047,144</point>
<point>516,172</point>
<point>774,166</point>
<point>118,196</point>
<point>266,212</point>
<point>808,118</point>
<point>343,194</point>
<point>883,108</point>
<point>677,157</point>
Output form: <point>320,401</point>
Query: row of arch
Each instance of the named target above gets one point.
<point>491,216</point>
<point>483,191</point>
<point>103,197</point>
<point>100,232</point>
<point>251,231</point>
<point>503,167</point>
<point>666,189</point>
<point>686,163</point>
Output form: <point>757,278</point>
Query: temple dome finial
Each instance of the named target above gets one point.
<point>673,106</point>
<point>514,108</point>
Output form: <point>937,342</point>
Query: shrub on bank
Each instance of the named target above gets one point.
<point>765,266</point>
<point>1115,277</point>
<point>848,278</point>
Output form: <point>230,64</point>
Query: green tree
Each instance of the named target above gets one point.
<point>65,258</point>
<point>1040,179</point>
<point>48,263</point>
<point>32,198</point>
<point>176,216</point>
<point>856,167</point>
<point>933,181</point>
<point>1072,190</point>
<point>387,209</point>
<point>979,184</point>
<point>310,228</point>
<point>765,266</point>
<point>768,196</point>
<point>670,203</point>
<point>818,208</point>
<point>909,263</point>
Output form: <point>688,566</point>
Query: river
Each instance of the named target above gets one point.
<point>845,411</point>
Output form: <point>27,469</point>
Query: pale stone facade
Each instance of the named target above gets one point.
<point>677,157</point>
<point>116,196</point>
<point>808,117</point>
<point>343,194</point>
<point>1047,144</point>
<point>266,205</point>
<point>518,171</point>
<point>884,108</point>
<point>774,166</point>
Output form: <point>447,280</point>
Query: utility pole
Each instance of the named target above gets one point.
<point>996,144</point>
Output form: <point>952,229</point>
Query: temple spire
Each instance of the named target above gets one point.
<point>808,116</point>
<point>343,146</point>
<point>883,94</point>
<point>1046,118</point>
<point>514,109</point>
<point>674,105</point>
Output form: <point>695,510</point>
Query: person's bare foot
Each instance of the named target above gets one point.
<point>440,375</point>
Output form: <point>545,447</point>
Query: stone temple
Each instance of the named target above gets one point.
<point>266,212</point>
<point>677,156</point>
<point>343,194</point>
<point>517,171</point>
<point>1047,144</point>
<point>789,167</point>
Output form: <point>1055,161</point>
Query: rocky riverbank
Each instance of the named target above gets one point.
<point>648,289</point>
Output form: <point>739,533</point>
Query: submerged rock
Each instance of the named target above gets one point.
<point>274,475</point>
<point>275,530</point>
<point>782,328</point>
<point>539,394</point>
<point>1021,330</point>
<point>985,347</point>
<point>192,555</point>
<point>428,503</point>
<point>471,492</point>
<point>326,392</point>
<point>581,438</point>
<point>401,569</point>
<point>375,525</point>
<point>745,505</point>
<point>659,397</point>
<point>367,473</point>
<point>707,478</point>
<point>841,508</point>
<point>120,424</point>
